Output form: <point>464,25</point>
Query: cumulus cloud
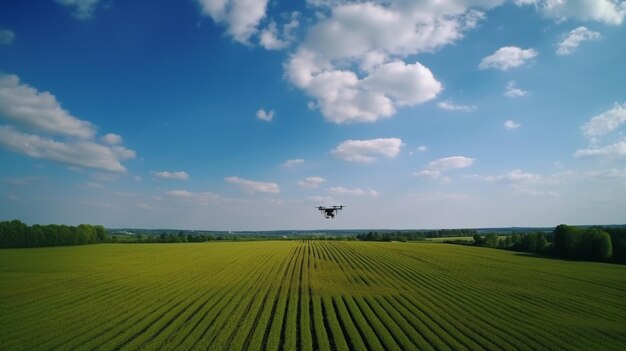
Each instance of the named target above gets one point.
<point>266,116</point>
<point>112,139</point>
<point>367,151</point>
<point>199,198</point>
<point>343,97</point>
<point>273,38</point>
<point>514,176</point>
<point>353,61</point>
<point>79,153</point>
<point>450,106</point>
<point>427,173</point>
<point>607,173</point>
<point>339,190</point>
<point>507,57</point>
<point>436,169</point>
<point>422,148</point>
<point>83,9</point>
<point>510,125</point>
<point>311,182</point>
<point>7,37</point>
<point>254,186</point>
<point>269,38</point>
<point>513,91</point>
<point>291,163</point>
<point>26,106</point>
<point>605,11</point>
<point>240,17</point>
<point>605,122</point>
<point>453,162</point>
<point>574,38</point>
<point>40,113</point>
<point>521,190</point>
<point>319,199</point>
<point>614,150</point>
<point>180,175</point>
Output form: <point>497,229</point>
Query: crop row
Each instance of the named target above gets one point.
<point>312,295</point>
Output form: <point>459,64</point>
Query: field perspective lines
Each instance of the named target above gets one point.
<point>306,295</point>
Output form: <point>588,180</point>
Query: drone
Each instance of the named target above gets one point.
<point>330,211</point>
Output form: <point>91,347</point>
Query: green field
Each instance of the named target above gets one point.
<point>306,295</point>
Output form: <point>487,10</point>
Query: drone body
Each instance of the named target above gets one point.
<point>331,211</point>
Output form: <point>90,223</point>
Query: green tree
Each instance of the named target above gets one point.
<point>596,245</point>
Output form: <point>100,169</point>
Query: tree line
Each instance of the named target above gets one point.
<point>414,235</point>
<point>15,234</point>
<point>579,243</point>
<point>391,236</point>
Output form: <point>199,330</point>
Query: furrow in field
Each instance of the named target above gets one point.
<point>340,340</point>
<point>274,333</point>
<point>355,339</point>
<point>201,338</point>
<point>360,322</point>
<point>246,329</point>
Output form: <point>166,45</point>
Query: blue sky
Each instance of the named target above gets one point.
<point>218,114</point>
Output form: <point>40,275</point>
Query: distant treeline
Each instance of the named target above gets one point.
<point>187,237</point>
<point>414,235</point>
<point>391,236</point>
<point>15,234</point>
<point>180,237</point>
<point>444,233</point>
<point>579,243</point>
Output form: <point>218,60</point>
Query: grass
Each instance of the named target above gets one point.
<point>306,295</point>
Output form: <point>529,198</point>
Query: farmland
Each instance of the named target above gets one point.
<point>306,295</point>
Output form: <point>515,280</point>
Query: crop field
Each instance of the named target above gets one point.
<point>306,295</point>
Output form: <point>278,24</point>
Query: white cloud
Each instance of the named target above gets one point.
<point>513,91</point>
<point>268,38</point>
<point>83,9</point>
<point>422,148</point>
<point>343,97</point>
<point>291,163</point>
<point>353,61</point>
<point>450,106</point>
<point>266,116</point>
<point>199,198</point>
<point>608,173</point>
<point>85,154</point>
<point>617,149</point>
<point>452,162</point>
<point>435,169</point>
<point>605,122</point>
<point>574,38</point>
<point>311,182</point>
<point>180,175</point>
<point>271,38</point>
<point>241,17</point>
<point>427,173</point>
<point>534,193</point>
<point>510,125</point>
<point>7,37</point>
<point>507,57</point>
<point>325,200</point>
<point>339,190</point>
<point>40,111</point>
<point>605,11</point>
<point>367,151</point>
<point>112,139</point>
<point>515,176</point>
<point>254,186</point>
